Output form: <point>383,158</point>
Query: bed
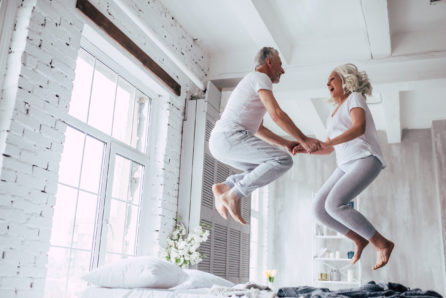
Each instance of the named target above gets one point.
<point>149,277</point>
<point>98,292</point>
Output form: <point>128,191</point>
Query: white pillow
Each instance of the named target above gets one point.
<point>200,279</point>
<point>137,272</point>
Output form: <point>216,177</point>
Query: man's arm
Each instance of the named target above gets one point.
<point>284,121</point>
<point>270,137</point>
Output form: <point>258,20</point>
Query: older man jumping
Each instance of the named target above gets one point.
<point>240,140</point>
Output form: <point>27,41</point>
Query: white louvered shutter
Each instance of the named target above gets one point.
<point>227,249</point>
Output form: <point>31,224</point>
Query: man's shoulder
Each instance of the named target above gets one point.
<point>257,77</point>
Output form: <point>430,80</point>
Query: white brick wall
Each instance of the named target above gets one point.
<point>35,97</point>
<point>36,93</point>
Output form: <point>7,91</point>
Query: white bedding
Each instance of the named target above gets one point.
<point>96,292</point>
<point>214,292</point>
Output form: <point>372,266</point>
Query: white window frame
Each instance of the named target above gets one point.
<point>114,146</point>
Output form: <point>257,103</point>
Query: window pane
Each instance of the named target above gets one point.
<point>71,159</point>
<point>141,121</point>
<point>82,86</point>
<point>56,276</point>
<point>79,266</point>
<point>63,219</point>
<point>127,181</point>
<point>85,220</point>
<point>92,165</point>
<point>121,178</point>
<point>123,117</point>
<point>102,98</point>
<point>136,179</point>
<point>112,258</point>
<point>121,233</point>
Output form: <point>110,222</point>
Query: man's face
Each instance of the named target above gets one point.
<point>276,68</point>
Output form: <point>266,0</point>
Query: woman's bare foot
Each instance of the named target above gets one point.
<point>219,189</point>
<point>383,254</point>
<point>360,243</point>
<point>358,250</point>
<point>233,205</point>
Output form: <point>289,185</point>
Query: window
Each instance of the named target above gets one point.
<point>101,176</point>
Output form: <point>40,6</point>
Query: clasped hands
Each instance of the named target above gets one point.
<point>310,145</point>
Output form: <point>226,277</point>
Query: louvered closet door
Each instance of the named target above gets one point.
<point>227,250</point>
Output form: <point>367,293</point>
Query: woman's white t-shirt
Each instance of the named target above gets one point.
<point>360,147</point>
<point>244,109</point>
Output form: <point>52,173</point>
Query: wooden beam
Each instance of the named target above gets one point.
<point>108,27</point>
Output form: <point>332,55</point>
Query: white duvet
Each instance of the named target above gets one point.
<point>216,291</point>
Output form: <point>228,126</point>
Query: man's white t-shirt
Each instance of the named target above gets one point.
<point>360,147</point>
<point>244,109</point>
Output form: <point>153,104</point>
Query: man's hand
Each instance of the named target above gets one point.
<point>298,149</point>
<point>290,145</point>
<point>311,144</point>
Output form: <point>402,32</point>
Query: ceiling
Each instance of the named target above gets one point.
<point>400,43</point>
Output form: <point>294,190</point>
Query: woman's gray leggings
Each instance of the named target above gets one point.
<point>331,202</point>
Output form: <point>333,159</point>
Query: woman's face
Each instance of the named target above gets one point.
<point>334,85</point>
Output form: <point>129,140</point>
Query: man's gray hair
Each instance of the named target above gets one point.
<point>265,52</point>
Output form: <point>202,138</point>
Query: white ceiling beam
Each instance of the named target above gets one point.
<point>392,114</point>
<point>376,27</point>
<point>316,118</point>
<point>261,23</point>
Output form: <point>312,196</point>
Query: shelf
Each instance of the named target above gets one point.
<point>333,259</point>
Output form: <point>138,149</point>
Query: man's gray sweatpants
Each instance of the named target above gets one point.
<point>261,162</point>
<point>331,202</point>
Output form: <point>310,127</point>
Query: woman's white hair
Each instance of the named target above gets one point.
<point>354,80</point>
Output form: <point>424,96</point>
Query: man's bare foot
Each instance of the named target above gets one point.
<point>219,189</point>
<point>360,244</point>
<point>233,205</point>
<point>383,255</point>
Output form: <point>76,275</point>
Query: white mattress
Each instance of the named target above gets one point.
<point>144,293</point>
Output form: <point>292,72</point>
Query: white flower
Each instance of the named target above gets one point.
<point>182,248</point>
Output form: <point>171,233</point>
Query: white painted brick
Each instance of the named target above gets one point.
<point>30,74</point>
<point>73,25</point>
<point>8,175</point>
<point>13,214</point>
<point>38,114</point>
<point>25,84</point>
<point>32,182</point>
<point>52,73</point>
<point>35,53</point>
<point>7,293</point>
<point>50,11</point>
<point>23,231</point>
<point>30,158</point>
<point>12,151</point>
<point>7,242</point>
<point>60,126</point>
<point>16,165</point>
<point>37,138</point>
<point>50,188</point>
<point>54,135</point>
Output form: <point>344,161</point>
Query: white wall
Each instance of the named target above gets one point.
<point>35,97</point>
